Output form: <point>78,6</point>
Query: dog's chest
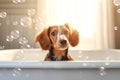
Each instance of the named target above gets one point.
<point>54,57</point>
<point>57,58</point>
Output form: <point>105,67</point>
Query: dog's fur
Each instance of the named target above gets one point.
<point>56,40</point>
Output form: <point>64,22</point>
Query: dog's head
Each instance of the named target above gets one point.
<point>58,36</point>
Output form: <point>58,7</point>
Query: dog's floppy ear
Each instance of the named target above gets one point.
<point>74,36</point>
<point>43,39</point>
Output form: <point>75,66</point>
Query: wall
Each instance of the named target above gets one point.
<point>117,27</point>
<point>15,11</point>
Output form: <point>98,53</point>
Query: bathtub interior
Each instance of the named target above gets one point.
<point>77,55</point>
<point>29,64</point>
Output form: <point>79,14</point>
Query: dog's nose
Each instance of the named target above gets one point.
<point>63,42</point>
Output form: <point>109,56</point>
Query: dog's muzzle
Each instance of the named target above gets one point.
<point>63,42</point>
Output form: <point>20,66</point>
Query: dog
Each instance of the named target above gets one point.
<point>56,39</point>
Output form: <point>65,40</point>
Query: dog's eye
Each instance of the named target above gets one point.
<point>53,33</point>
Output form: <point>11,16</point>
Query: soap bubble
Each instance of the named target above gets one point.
<point>115,28</point>
<point>18,1</point>
<point>37,20</point>
<point>15,34</point>
<point>39,26</point>
<point>25,21</point>
<point>116,2</point>
<point>20,56</point>
<point>16,72</point>
<point>3,14</point>
<point>9,38</point>
<point>107,63</point>
<point>102,71</point>
<point>25,46</point>
<point>80,54</point>
<point>19,69</point>
<point>23,40</point>
<point>102,68</point>
<point>118,10</point>
<point>31,12</point>
<point>108,60</point>
<point>2,47</point>
<point>84,64</point>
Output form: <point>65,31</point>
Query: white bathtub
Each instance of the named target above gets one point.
<point>28,64</point>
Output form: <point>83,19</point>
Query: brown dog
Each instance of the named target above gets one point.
<point>56,39</point>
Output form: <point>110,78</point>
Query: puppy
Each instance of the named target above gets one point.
<point>56,39</point>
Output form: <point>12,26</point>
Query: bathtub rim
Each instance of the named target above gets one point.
<point>71,49</point>
<point>59,64</point>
